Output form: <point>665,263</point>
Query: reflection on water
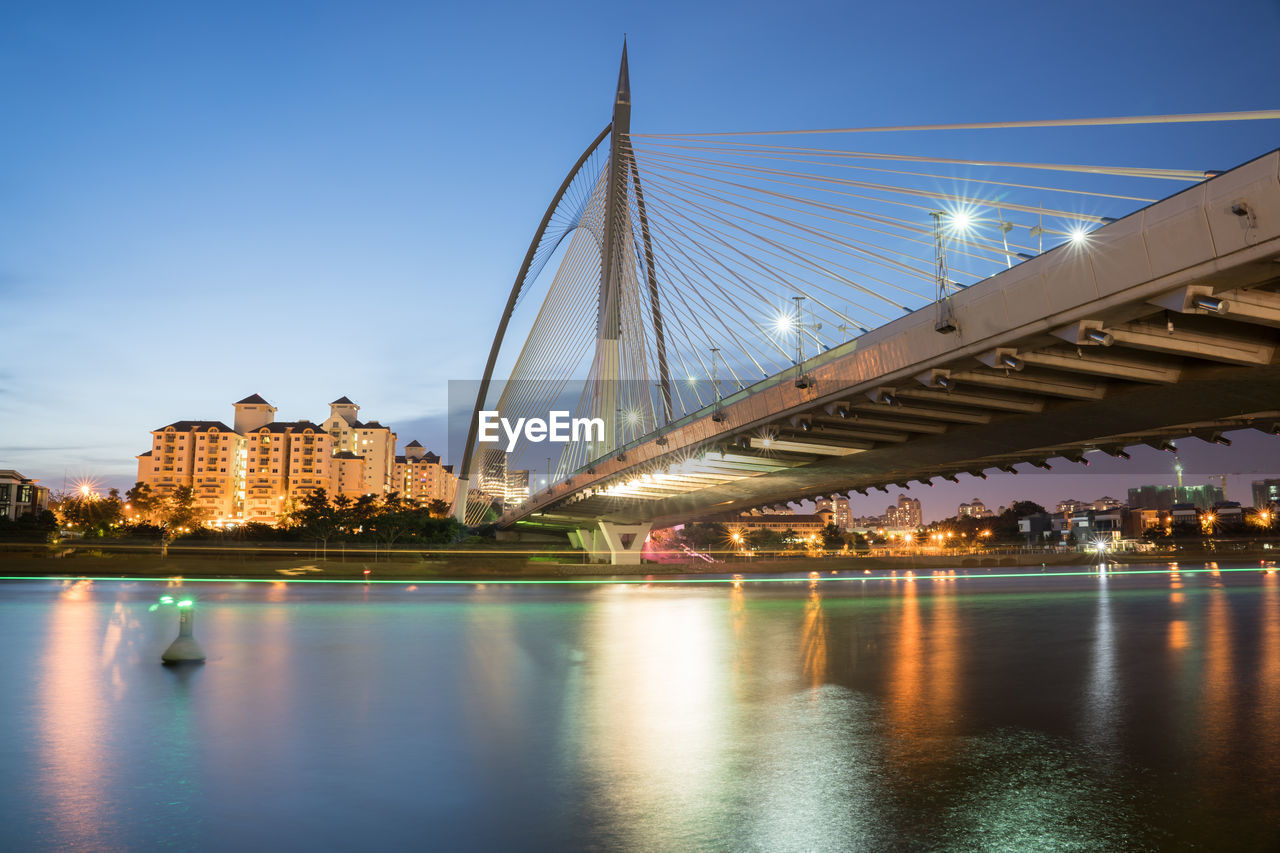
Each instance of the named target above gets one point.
<point>657,714</point>
<point>813,639</point>
<point>1265,730</point>
<point>71,736</point>
<point>922,692</point>
<point>1092,713</point>
<point>1101,705</point>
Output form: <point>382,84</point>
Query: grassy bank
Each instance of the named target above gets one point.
<point>468,563</point>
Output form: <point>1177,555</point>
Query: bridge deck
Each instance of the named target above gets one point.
<point>1166,323</point>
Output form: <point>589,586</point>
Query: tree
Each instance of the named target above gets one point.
<point>180,510</point>
<point>832,537</point>
<point>342,514</point>
<point>439,509</point>
<point>393,519</point>
<point>363,510</point>
<point>1005,525</point>
<point>89,514</point>
<point>764,539</point>
<point>141,500</point>
<point>316,517</point>
<point>30,527</point>
<point>710,536</point>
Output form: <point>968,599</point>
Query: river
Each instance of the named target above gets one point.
<point>1069,710</point>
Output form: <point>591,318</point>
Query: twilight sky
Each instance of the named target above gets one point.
<point>199,202</point>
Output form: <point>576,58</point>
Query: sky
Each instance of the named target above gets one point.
<point>199,202</point>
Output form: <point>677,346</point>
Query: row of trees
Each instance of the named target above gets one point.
<point>388,520</point>
<point>142,513</point>
<point>139,511</point>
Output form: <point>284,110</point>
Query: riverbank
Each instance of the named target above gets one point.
<point>256,563</point>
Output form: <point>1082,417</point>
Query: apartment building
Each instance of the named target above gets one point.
<point>905,515</point>
<point>206,456</point>
<point>371,441</point>
<point>839,508</point>
<point>419,476</point>
<point>283,460</point>
<point>974,509</point>
<point>258,467</point>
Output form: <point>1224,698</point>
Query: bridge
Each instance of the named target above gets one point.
<point>753,323</point>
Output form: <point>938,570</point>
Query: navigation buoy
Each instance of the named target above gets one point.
<point>184,649</point>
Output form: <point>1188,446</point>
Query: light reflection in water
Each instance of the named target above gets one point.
<point>658,716</point>
<point>1218,696</point>
<point>1267,721</point>
<point>813,639</point>
<point>924,676</point>
<point>72,741</point>
<point>1101,701</point>
<point>1179,631</point>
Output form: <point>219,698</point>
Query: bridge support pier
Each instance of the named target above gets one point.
<point>618,544</point>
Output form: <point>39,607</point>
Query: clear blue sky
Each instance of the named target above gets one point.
<point>304,200</point>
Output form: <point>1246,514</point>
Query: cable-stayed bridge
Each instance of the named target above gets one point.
<point>751,322</point>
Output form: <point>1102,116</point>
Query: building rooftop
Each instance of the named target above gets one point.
<point>288,426</point>
<point>195,426</point>
<point>252,399</point>
<point>414,443</point>
<point>343,401</point>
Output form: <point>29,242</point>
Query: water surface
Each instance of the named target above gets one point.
<point>1097,712</point>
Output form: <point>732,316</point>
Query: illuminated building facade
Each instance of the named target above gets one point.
<point>974,509</point>
<point>370,440</point>
<point>260,467</point>
<point>420,478</point>
<point>803,526</point>
<point>906,515</point>
<point>508,487</point>
<point>839,509</point>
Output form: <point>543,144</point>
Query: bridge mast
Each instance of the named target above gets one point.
<point>612,253</point>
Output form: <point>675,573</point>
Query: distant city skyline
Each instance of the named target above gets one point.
<point>201,204</point>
